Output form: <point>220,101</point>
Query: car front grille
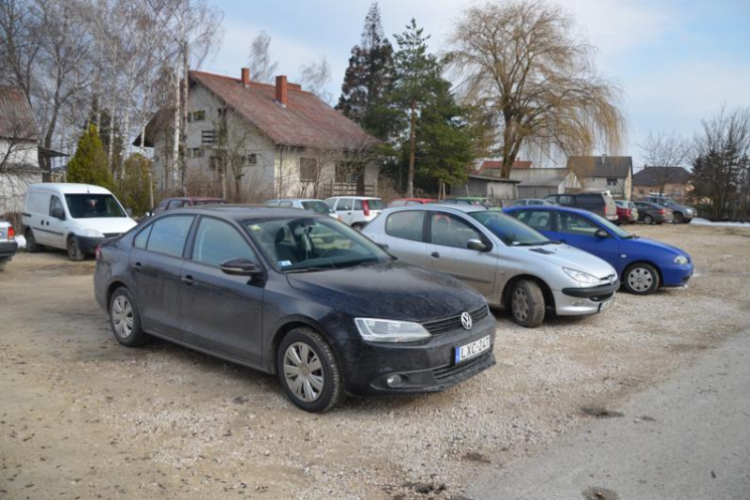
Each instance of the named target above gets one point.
<point>453,323</point>
<point>112,235</point>
<point>448,371</point>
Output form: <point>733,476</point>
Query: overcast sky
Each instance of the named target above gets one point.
<point>677,62</point>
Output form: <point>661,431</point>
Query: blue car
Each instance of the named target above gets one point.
<point>642,264</point>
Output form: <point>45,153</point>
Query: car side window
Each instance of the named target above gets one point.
<point>407,225</point>
<point>540,220</point>
<point>344,204</point>
<point>285,204</point>
<point>176,204</point>
<point>574,224</point>
<point>141,239</point>
<point>447,230</point>
<point>217,242</point>
<point>55,204</point>
<point>169,234</point>
<point>589,200</point>
<point>357,204</point>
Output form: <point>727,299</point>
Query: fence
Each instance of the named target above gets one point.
<point>328,189</point>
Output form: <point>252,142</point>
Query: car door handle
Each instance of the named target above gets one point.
<point>435,254</point>
<point>137,266</point>
<point>188,280</point>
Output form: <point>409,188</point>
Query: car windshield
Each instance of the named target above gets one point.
<point>510,231</point>
<point>91,206</point>
<point>611,227</point>
<point>210,202</point>
<point>313,244</point>
<point>317,206</point>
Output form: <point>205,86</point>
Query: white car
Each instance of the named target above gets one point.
<point>356,211</point>
<point>8,245</point>
<point>319,206</point>
<point>72,217</point>
<point>511,264</point>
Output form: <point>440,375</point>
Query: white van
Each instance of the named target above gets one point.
<point>72,217</point>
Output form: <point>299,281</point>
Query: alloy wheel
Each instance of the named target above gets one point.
<point>122,317</point>
<point>303,372</point>
<point>520,304</point>
<point>640,279</point>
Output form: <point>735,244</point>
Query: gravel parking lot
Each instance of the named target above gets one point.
<point>83,417</point>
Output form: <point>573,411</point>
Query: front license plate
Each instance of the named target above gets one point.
<point>606,304</point>
<point>470,350</point>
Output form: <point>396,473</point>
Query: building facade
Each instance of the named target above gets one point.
<point>604,173</point>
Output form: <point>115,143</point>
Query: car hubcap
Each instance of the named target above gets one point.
<point>520,304</point>
<point>122,317</point>
<point>303,372</point>
<point>640,279</point>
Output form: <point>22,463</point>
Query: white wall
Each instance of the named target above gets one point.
<point>13,185</point>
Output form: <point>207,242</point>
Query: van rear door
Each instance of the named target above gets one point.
<point>35,215</point>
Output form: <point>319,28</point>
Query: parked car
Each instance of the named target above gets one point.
<point>643,265</point>
<point>599,203</point>
<point>627,213</point>
<point>511,264</point>
<point>682,214</point>
<point>651,213</point>
<point>185,201</point>
<point>530,202</point>
<point>469,200</point>
<point>295,294</point>
<point>8,244</point>
<point>72,217</point>
<point>356,210</point>
<point>304,204</point>
<point>402,202</point>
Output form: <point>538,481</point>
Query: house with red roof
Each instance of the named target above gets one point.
<point>263,140</point>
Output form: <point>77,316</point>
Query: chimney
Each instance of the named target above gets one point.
<point>246,77</point>
<point>281,87</point>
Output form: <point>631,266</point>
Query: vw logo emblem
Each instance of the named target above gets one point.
<point>466,320</point>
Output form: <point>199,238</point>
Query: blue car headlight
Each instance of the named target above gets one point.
<point>681,260</point>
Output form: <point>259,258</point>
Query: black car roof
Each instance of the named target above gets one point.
<point>242,212</point>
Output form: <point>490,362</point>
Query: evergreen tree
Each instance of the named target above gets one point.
<point>368,79</point>
<point>89,163</point>
<point>134,189</point>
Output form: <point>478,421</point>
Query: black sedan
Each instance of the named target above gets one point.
<point>296,294</point>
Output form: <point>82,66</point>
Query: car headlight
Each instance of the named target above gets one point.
<point>681,260</point>
<point>581,277</point>
<point>385,330</point>
<point>93,233</point>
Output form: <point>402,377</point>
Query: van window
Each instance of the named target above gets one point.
<point>407,225</point>
<point>89,206</point>
<point>55,204</point>
<point>168,235</point>
<point>590,200</point>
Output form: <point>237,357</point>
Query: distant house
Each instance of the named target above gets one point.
<point>268,140</point>
<point>672,181</point>
<point>602,173</point>
<point>494,167</point>
<point>541,182</point>
<point>487,186</point>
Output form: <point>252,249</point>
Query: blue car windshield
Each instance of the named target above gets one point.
<point>621,233</point>
<point>510,231</point>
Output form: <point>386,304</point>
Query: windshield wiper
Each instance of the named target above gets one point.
<point>308,269</point>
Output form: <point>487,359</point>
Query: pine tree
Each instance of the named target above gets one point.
<point>369,78</point>
<point>89,163</point>
<point>134,189</point>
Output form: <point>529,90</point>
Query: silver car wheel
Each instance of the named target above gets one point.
<point>520,304</point>
<point>640,279</point>
<point>303,372</point>
<point>122,317</point>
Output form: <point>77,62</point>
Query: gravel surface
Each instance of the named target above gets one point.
<point>82,416</point>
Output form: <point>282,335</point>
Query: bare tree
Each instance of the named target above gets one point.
<point>315,77</point>
<point>18,145</point>
<point>262,68</point>
<point>664,150</point>
<point>20,46</point>
<point>522,60</point>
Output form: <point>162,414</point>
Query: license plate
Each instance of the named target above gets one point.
<point>606,304</point>
<point>470,350</point>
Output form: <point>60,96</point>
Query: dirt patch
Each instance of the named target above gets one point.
<point>82,416</point>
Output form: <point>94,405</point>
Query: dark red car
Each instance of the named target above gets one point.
<point>626,212</point>
<point>187,201</point>
<point>401,202</point>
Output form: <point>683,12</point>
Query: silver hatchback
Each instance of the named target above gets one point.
<point>511,264</point>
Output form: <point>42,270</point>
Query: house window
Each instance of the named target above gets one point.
<point>214,163</point>
<point>252,160</point>
<point>308,169</point>
<point>222,112</point>
<point>208,137</point>
<point>196,152</point>
<point>612,181</point>
<point>197,116</point>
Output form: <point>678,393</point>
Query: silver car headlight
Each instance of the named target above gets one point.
<point>386,330</point>
<point>681,260</point>
<point>93,233</point>
<point>581,277</point>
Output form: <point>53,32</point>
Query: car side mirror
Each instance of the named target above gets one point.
<point>58,213</point>
<point>475,244</point>
<point>240,267</point>
<point>601,233</point>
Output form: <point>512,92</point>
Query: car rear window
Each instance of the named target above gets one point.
<point>317,206</point>
<point>407,225</point>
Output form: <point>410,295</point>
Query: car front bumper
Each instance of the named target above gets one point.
<point>8,249</point>
<point>423,367</point>
<point>676,275</point>
<point>87,244</point>
<point>583,301</point>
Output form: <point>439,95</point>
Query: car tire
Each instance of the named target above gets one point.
<point>303,359</point>
<point>678,218</point>
<point>357,226</point>
<point>647,219</point>
<point>527,304</point>
<point>2,264</point>
<point>31,245</point>
<point>125,319</point>
<point>74,251</point>
<point>641,279</point>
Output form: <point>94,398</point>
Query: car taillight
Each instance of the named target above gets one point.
<point>98,252</point>
<point>11,233</point>
<point>662,211</point>
<point>366,207</point>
